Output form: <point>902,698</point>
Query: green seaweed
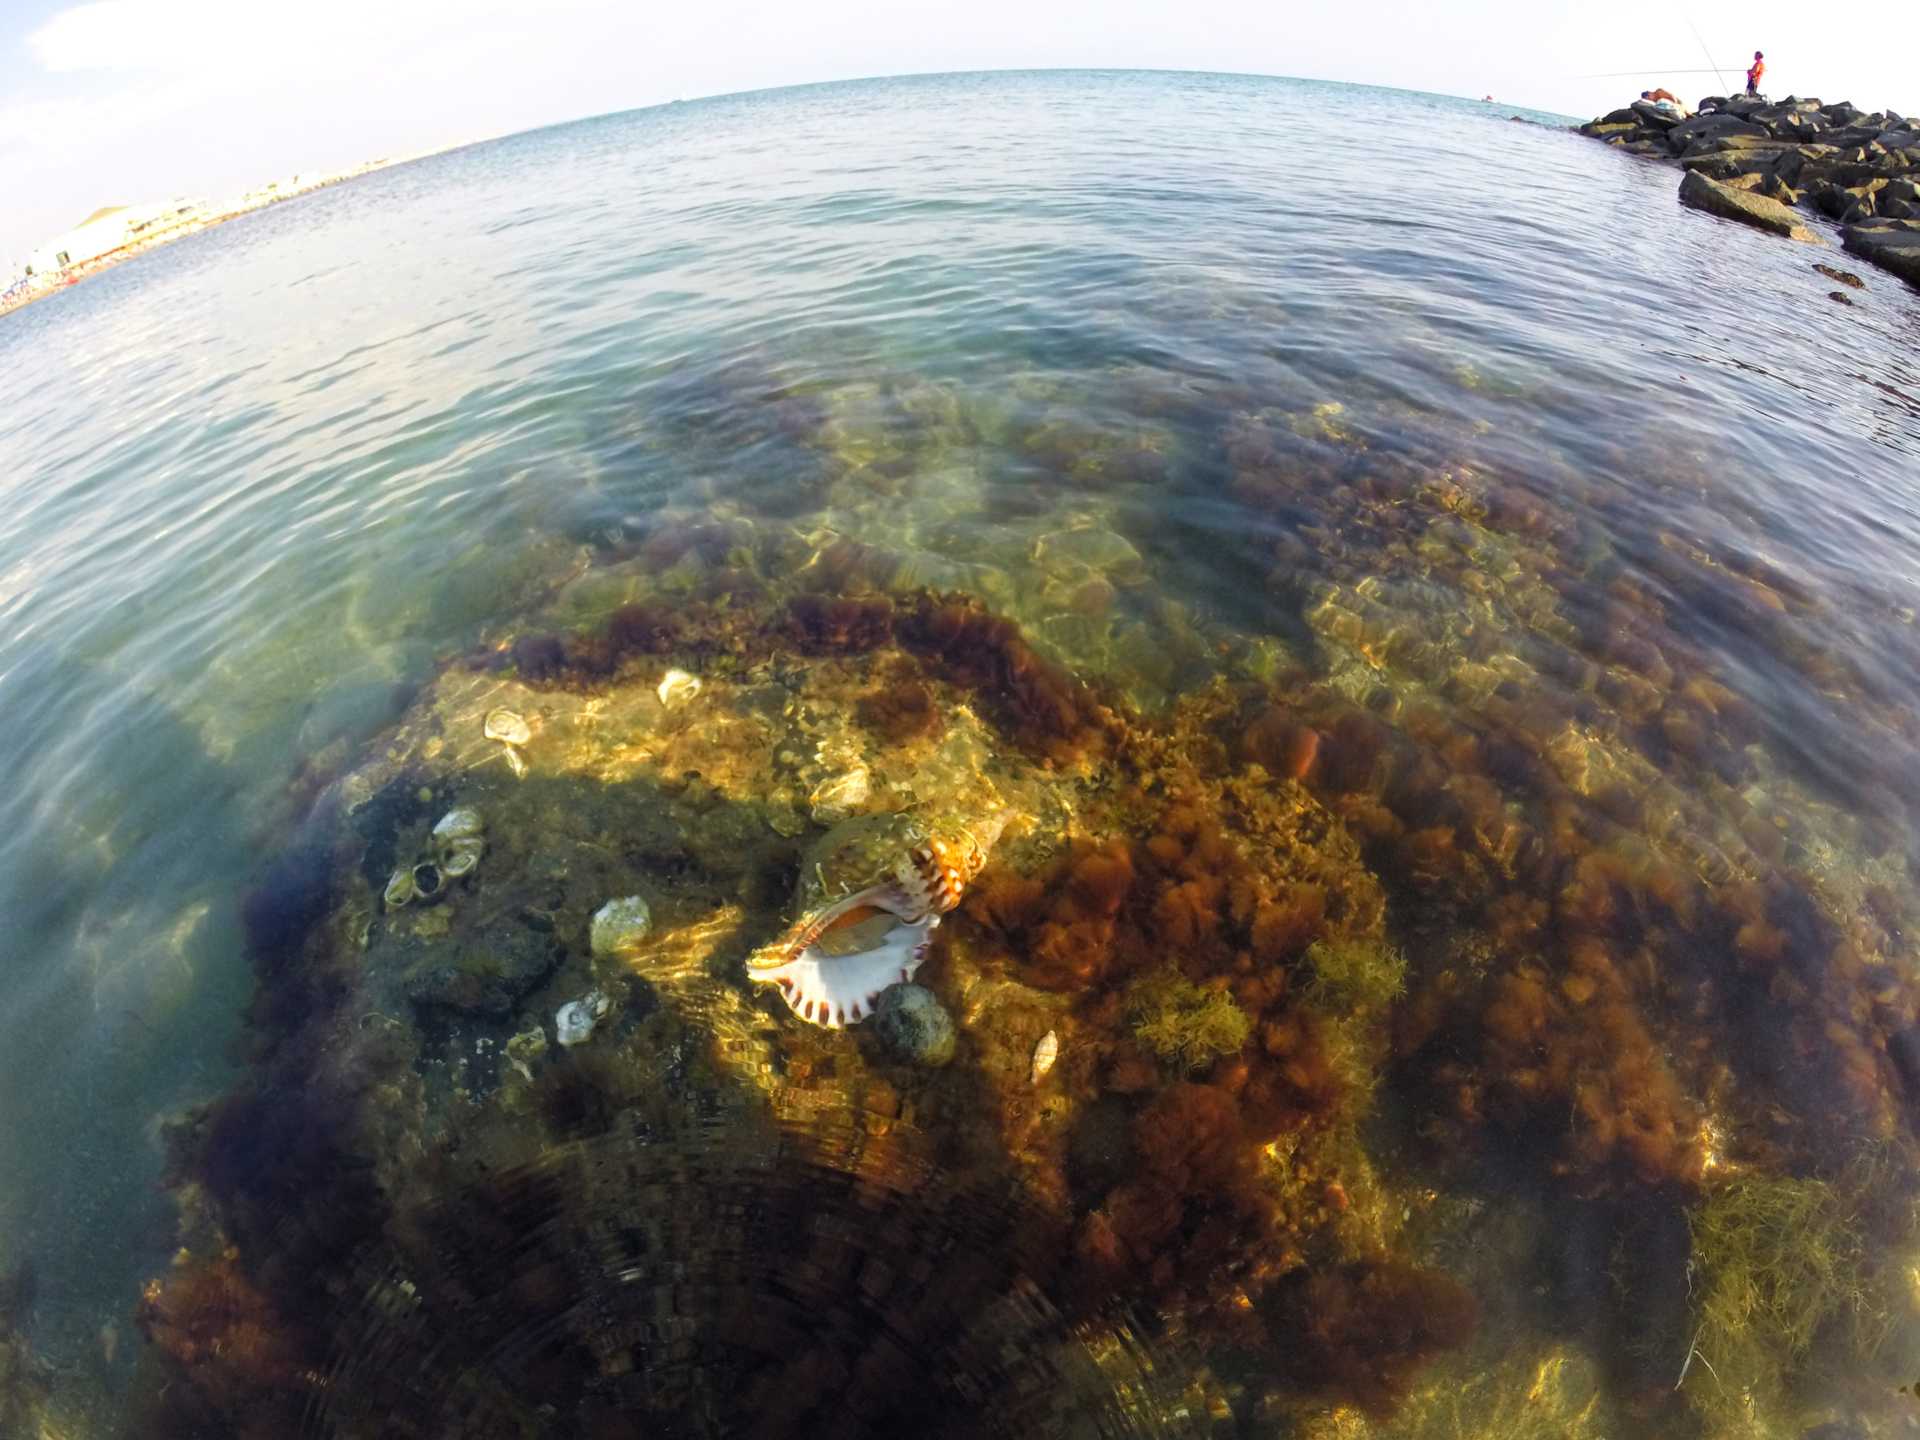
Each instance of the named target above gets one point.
<point>1354,975</point>
<point>1184,1023</point>
<point>1776,1260</point>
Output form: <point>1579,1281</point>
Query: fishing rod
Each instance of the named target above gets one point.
<point>1655,70</point>
<point>1704,51</point>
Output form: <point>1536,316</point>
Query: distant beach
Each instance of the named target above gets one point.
<point>23,291</point>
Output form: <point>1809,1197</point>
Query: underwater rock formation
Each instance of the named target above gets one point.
<point>1454,906</point>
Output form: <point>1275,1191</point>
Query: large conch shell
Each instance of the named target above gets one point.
<point>833,962</point>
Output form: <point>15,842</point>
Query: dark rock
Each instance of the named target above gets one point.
<point>1650,114</point>
<point>914,1025</point>
<point>487,976</point>
<point>1902,189</point>
<point>1710,127</point>
<point>1837,201</point>
<point>1839,295</point>
<point>1627,115</point>
<point>1605,131</point>
<point>1744,142</point>
<point>1903,1048</point>
<point>1717,167</point>
<point>1893,245</point>
<point>1701,193</point>
<point>1844,277</point>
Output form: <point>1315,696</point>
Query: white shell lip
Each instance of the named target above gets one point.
<point>840,990</point>
<point>460,823</point>
<point>509,727</point>
<point>400,889</point>
<point>460,858</point>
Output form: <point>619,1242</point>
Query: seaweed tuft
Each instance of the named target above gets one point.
<point>1183,1023</point>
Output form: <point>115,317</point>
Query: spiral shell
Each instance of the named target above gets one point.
<point>833,962</point>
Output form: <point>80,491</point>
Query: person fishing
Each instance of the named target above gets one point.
<point>1755,71</point>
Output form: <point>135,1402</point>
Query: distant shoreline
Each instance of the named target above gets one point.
<point>39,287</point>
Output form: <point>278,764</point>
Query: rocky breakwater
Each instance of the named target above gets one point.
<point>1768,164</point>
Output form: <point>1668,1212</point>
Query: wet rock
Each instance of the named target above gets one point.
<point>1101,551</point>
<point>1843,277</point>
<point>1893,245</point>
<point>487,976</point>
<point>1755,210</point>
<point>915,1026</point>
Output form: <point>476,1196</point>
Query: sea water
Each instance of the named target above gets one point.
<point>1452,414</point>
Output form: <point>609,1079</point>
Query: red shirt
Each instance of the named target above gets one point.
<point>1758,68</point>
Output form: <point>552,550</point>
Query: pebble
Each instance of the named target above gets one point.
<point>914,1025</point>
<point>620,925</point>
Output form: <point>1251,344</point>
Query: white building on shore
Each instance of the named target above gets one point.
<point>111,228</point>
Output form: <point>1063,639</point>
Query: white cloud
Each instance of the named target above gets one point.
<point>207,38</point>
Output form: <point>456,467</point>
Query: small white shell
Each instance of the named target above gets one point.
<point>834,800</point>
<point>677,687</point>
<point>620,925</point>
<point>1044,1054</point>
<point>574,1021</point>
<point>461,857</point>
<point>459,824</point>
<point>400,889</point>
<point>509,727</point>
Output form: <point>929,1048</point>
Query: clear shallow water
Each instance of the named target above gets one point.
<point>264,481</point>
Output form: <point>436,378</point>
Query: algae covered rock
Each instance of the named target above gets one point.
<point>915,1026</point>
<point>487,976</point>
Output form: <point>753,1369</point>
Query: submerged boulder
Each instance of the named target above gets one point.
<point>1755,210</point>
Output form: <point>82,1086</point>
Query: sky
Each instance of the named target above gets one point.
<point>131,101</point>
